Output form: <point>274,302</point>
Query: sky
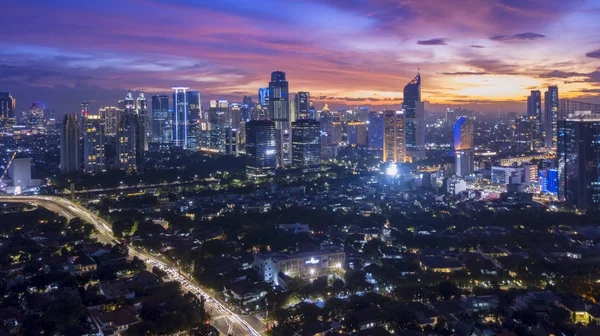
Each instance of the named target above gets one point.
<point>482,54</point>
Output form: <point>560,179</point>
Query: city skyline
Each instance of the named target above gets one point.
<point>362,53</point>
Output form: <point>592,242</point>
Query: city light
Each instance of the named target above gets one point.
<point>391,170</point>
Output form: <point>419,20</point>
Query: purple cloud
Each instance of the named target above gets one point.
<point>435,41</point>
<point>593,54</point>
<point>520,36</point>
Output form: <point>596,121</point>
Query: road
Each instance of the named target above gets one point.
<point>226,321</point>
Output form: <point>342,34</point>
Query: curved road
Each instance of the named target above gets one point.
<point>223,319</point>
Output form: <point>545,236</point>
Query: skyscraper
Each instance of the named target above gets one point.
<point>7,106</point>
<point>327,137</point>
<point>263,97</point>
<point>463,146</point>
<point>579,159</point>
<point>160,119</point>
<point>301,101</point>
<point>375,130</point>
<point>219,117</point>
<point>306,143</point>
<point>85,109</point>
<point>130,141</point>
<point>261,149</point>
<point>534,109</point>
<point>180,117</point>
<point>35,117</point>
<point>279,103</point>
<point>394,147</point>
<point>110,117</point>
<point>93,144</point>
<point>551,105</point>
<point>141,108</point>
<point>69,144</point>
<point>525,134</point>
<point>357,133</point>
<point>414,113</point>
<point>231,141</point>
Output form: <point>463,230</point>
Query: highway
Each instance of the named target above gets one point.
<point>226,321</point>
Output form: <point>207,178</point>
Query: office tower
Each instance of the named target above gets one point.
<point>130,141</point>
<point>180,117</point>
<point>194,106</point>
<point>263,97</point>
<point>578,159</point>
<point>525,134</point>
<point>247,106</point>
<point>35,117</point>
<point>231,141</point>
<point>279,104</point>
<point>261,149</point>
<point>306,143</point>
<point>160,119</point>
<point>302,104</point>
<point>7,106</point>
<point>220,119</point>
<point>357,133</point>
<point>312,111</point>
<point>551,116</point>
<point>394,147</point>
<point>141,108</point>
<point>337,128</point>
<point>93,144</point>
<point>450,117</point>
<point>247,100</point>
<point>364,114</point>
<point>463,146</point>
<point>85,109</point>
<point>69,144</point>
<point>110,117</point>
<point>284,147</point>
<point>548,179</point>
<point>534,109</point>
<point>327,144</point>
<point>463,133</point>
<point>375,130</point>
<point>414,113</point>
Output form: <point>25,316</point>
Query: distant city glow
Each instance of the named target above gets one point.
<point>392,170</point>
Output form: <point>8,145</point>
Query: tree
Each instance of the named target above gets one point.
<point>337,286</point>
<point>122,227</point>
<point>356,281</point>
<point>448,289</point>
<point>64,313</point>
<point>158,272</point>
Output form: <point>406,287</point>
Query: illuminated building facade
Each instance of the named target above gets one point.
<point>551,106</point>
<point>375,130</point>
<point>180,117</point>
<point>306,143</point>
<point>463,146</point>
<point>414,115</point>
<point>69,144</point>
<point>261,148</point>
<point>160,119</point>
<point>93,144</point>
<point>7,106</point>
<point>534,109</point>
<point>394,147</point>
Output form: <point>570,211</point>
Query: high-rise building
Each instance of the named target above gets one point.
<point>263,97</point>
<point>450,116</point>
<point>180,117</point>
<point>110,117</point>
<point>375,130</point>
<point>578,160</point>
<point>394,147</point>
<point>141,108</point>
<point>525,134</point>
<point>69,144</point>
<point>261,148</point>
<point>357,133</point>
<point>93,144</point>
<point>414,114</point>
<point>219,117</point>
<point>7,106</point>
<point>194,105</point>
<point>327,135</point>
<point>463,146</point>
<point>35,117</point>
<point>160,119</point>
<point>306,143</point>
<point>302,104</point>
<point>463,133</point>
<point>279,100</point>
<point>130,141</point>
<point>231,141</point>
<point>85,109</point>
<point>551,105</point>
<point>534,109</point>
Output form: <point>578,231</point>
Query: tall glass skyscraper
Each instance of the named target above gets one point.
<point>394,146</point>
<point>306,143</point>
<point>302,102</point>
<point>181,115</point>
<point>69,144</point>
<point>279,100</point>
<point>160,119</point>
<point>463,146</point>
<point>534,109</point>
<point>375,130</point>
<point>551,105</point>
<point>261,148</point>
<point>579,161</point>
<point>7,106</point>
<point>93,144</point>
<point>414,114</point>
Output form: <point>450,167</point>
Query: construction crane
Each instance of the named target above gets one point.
<point>8,166</point>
